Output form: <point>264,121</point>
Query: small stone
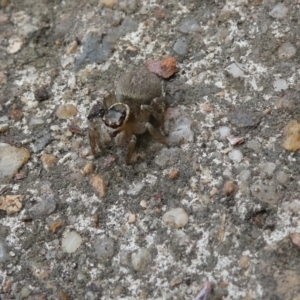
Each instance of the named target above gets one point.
<point>265,193</point>
<point>291,140</point>
<point>41,94</point>
<point>7,286</point>
<point>88,168</point>
<point>254,145</point>
<point>176,218</point>
<point>175,282</point>
<point>180,131</point>
<point>135,188</point>
<point>72,47</point>
<point>11,203</point>
<point>286,51</point>
<point>244,118</point>
<point>181,46</point>
<point>71,242</point>
<point>98,185</point>
<point>280,85</point>
<point>236,155</point>
<point>295,237</point>
<point>108,3</point>
<point>3,128</point>
<point>16,115</point>
<point>42,141</point>
<point>235,140</point>
<point>213,192</point>
<point>56,226</point>
<point>279,11</point>
<point>104,247</point>
<point>189,26</point>
<point>174,174</point>
<point>245,175</point>
<point>282,177</point>
<point>164,68</point>
<point>236,70</point>
<point>131,218</point>
<point>11,160</point>
<point>229,188</point>
<point>244,261</point>
<point>66,111</point>
<point>267,168</point>
<point>48,161</point>
<point>224,131</point>
<point>141,259</point>
<point>143,204</point>
<point>25,292</point>
<point>15,45</point>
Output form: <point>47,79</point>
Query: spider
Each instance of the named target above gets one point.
<point>135,109</point>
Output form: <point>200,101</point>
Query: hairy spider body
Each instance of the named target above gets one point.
<point>129,114</point>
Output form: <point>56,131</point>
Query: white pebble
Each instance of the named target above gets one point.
<point>141,259</point>
<point>224,131</point>
<point>286,51</point>
<point>280,85</point>
<point>181,131</point>
<point>267,168</point>
<point>279,11</point>
<point>245,175</point>
<point>282,177</point>
<point>236,156</point>
<point>71,242</point>
<point>235,70</point>
<point>176,218</point>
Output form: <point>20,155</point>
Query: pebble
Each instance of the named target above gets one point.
<point>167,155</point>
<point>281,177</point>
<point>145,9</point>
<point>180,131</point>
<point>291,139</point>
<point>41,94</point>
<point>108,3</point>
<point>245,175</point>
<point>141,259</point>
<point>14,45</point>
<point>279,11</point>
<point>131,218</point>
<point>244,118</point>
<point>135,188</point>
<point>244,261</point>
<point>3,128</point>
<point>175,218</point>
<point>181,46</point>
<point>66,111</point>
<point>48,161</point>
<point>224,131</point>
<point>11,203</point>
<point>229,188</point>
<point>286,51</point>
<point>189,26</point>
<point>12,159</point>
<point>98,185</point>
<point>236,155</point>
<point>42,141</point>
<point>280,85</point>
<point>265,193</point>
<point>45,206</point>
<point>25,293</point>
<point>88,168</point>
<point>71,242</point>
<point>72,48</point>
<point>254,145</point>
<point>174,174</point>
<point>105,248</point>
<point>267,168</point>
<point>235,70</point>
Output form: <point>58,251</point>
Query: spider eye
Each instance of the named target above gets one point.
<point>97,110</point>
<point>115,116</point>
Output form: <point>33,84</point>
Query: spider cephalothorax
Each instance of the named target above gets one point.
<point>128,114</point>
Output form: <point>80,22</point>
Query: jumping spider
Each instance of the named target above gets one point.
<point>135,109</point>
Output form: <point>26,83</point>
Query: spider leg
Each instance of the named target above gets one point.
<point>94,138</point>
<point>130,150</point>
<point>156,134</point>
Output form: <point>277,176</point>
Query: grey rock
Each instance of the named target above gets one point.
<point>265,193</point>
<point>189,26</point>
<point>254,145</point>
<point>181,46</point>
<point>141,259</point>
<point>244,118</point>
<point>43,140</point>
<point>166,156</point>
<point>104,248</point>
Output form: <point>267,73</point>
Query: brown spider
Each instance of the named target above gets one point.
<point>136,108</point>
